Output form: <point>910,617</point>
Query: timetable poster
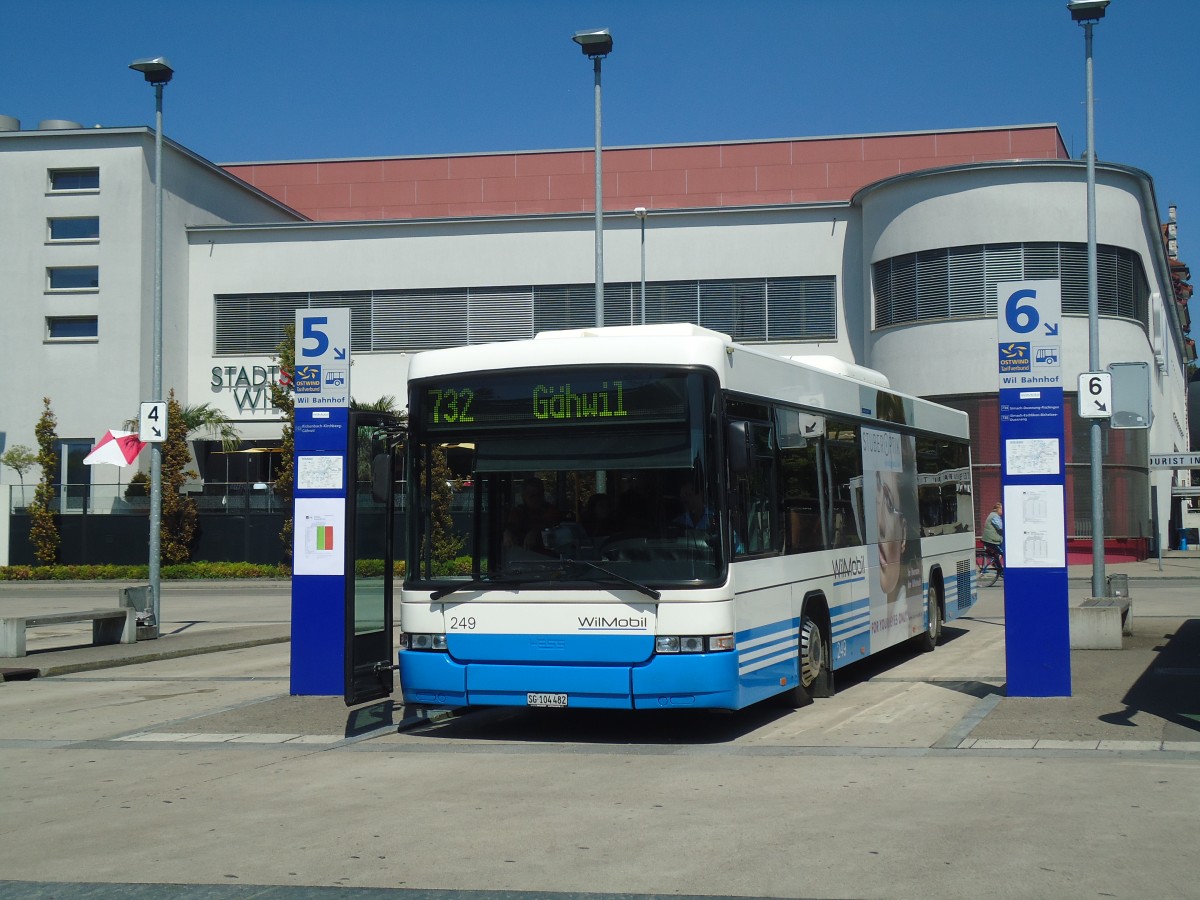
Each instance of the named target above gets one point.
<point>320,544</point>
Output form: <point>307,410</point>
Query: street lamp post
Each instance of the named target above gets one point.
<point>596,45</point>
<point>1087,13</point>
<point>158,72</point>
<point>640,212</point>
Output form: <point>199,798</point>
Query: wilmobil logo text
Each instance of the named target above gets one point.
<point>613,623</point>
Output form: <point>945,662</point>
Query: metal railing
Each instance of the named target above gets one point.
<point>234,498</point>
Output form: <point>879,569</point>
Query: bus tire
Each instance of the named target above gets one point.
<point>933,627</point>
<point>816,660</point>
<point>813,671</point>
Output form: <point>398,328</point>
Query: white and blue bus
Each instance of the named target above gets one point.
<point>658,517</point>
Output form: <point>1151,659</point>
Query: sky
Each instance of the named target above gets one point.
<point>261,80</point>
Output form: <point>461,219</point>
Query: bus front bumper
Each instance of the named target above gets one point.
<point>665,681</point>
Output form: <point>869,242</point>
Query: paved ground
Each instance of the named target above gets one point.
<point>182,767</point>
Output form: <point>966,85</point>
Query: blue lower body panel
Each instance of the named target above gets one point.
<point>699,680</point>
<point>432,679</point>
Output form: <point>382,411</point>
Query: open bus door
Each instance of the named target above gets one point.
<point>375,459</point>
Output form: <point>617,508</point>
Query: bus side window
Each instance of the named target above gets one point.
<point>843,482</point>
<point>754,517</point>
<point>801,489</point>
<point>944,478</point>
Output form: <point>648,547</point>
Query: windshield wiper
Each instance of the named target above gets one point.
<point>510,577</point>
<point>620,579</point>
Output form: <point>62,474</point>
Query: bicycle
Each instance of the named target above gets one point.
<point>988,571</point>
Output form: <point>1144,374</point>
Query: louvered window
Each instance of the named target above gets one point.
<point>499,314</point>
<point>802,309</point>
<point>419,320</point>
<point>737,308</point>
<point>960,282</point>
<point>254,323</point>
<point>752,309</point>
<point>563,306</point>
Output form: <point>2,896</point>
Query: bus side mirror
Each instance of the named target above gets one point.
<point>382,476</point>
<point>737,446</point>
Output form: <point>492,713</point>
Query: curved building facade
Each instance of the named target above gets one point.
<point>936,244</point>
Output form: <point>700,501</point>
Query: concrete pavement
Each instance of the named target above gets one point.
<point>197,775</point>
<point>1134,695</point>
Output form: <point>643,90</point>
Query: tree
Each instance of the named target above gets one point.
<point>178,525</point>
<point>444,544</point>
<point>43,528</point>
<point>20,459</point>
<point>281,399</point>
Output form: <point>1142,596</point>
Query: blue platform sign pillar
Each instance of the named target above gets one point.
<point>321,392</point>
<point>1032,459</point>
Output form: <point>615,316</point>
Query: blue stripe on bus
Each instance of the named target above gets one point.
<point>781,646</point>
<point>853,580</point>
<point>850,618</point>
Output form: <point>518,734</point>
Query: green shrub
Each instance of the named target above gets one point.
<point>200,571</point>
<point>175,572</point>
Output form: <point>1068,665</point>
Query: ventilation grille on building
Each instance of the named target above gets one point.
<point>753,309</point>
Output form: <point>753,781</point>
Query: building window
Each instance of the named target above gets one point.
<point>72,328</point>
<point>749,310</point>
<point>74,179</point>
<point>960,282</point>
<point>73,278</point>
<point>78,228</point>
<point>74,478</point>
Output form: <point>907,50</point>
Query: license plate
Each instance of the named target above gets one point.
<point>550,700</point>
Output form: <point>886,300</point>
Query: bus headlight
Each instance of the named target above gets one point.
<point>422,641</point>
<point>692,643</point>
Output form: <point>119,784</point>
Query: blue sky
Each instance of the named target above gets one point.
<point>302,79</point>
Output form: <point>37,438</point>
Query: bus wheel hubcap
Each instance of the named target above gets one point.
<point>812,653</point>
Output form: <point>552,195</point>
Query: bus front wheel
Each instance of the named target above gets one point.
<point>816,662</point>
<point>933,629</point>
<point>816,677</point>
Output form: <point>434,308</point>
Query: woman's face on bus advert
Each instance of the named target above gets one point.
<point>891,530</point>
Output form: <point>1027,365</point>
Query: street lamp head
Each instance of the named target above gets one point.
<point>1087,11</point>
<point>157,69</point>
<point>596,43</point>
<point>640,212</point>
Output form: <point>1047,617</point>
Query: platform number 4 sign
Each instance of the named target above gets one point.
<point>152,423</point>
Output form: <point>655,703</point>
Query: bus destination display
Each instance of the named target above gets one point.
<point>550,398</point>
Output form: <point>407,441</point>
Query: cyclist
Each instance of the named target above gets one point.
<point>993,536</point>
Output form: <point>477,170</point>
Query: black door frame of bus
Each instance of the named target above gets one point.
<point>368,656</point>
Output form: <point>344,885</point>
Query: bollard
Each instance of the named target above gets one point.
<point>138,597</point>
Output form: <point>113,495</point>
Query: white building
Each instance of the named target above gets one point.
<point>882,250</point>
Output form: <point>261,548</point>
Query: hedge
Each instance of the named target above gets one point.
<point>199,571</point>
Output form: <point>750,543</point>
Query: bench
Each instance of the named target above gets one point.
<point>1098,623</point>
<point>109,626</point>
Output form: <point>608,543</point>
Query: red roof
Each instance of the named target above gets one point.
<point>745,173</point>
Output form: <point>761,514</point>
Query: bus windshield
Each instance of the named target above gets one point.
<point>514,474</point>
